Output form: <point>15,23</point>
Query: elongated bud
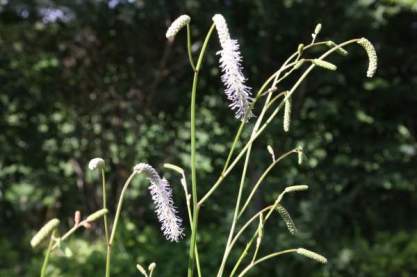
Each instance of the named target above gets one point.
<point>312,255</point>
<point>261,226</point>
<point>96,163</point>
<point>44,232</point>
<point>174,167</point>
<point>317,29</point>
<point>339,50</point>
<point>96,215</point>
<point>324,64</point>
<point>151,267</point>
<point>77,217</point>
<point>300,154</point>
<point>300,49</point>
<point>141,270</point>
<point>296,188</point>
<point>372,57</point>
<point>271,151</point>
<point>177,25</point>
<point>287,219</point>
<point>287,114</point>
<point>299,64</point>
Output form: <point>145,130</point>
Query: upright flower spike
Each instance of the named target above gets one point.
<point>164,205</point>
<point>372,57</point>
<point>176,26</point>
<point>236,90</point>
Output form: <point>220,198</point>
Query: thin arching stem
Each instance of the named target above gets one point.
<point>263,176</point>
<point>267,257</point>
<point>116,221</point>
<point>189,45</point>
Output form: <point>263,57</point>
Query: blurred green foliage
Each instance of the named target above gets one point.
<point>80,79</point>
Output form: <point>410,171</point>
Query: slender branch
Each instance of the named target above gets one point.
<point>189,44</point>
<point>249,244</point>
<point>66,235</point>
<point>267,257</point>
<point>263,176</point>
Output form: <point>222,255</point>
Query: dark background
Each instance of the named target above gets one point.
<point>80,79</point>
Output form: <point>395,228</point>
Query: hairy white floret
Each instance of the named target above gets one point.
<point>236,90</point>
<point>177,25</point>
<point>96,163</point>
<point>165,210</point>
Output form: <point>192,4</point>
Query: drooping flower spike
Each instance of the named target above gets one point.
<point>164,205</point>
<point>372,57</point>
<point>232,77</point>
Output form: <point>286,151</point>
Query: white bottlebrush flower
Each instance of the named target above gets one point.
<point>164,205</point>
<point>96,163</point>
<point>230,63</point>
<point>176,26</point>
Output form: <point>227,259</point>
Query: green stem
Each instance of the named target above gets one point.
<point>232,148</point>
<point>106,228</point>
<point>116,220</point>
<point>108,256</point>
<point>48,252</point>
<point>193,242</point>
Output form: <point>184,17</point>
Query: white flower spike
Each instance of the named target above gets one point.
<point>230,63</point>
<point>177,25</point>
<point>164,205</point>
